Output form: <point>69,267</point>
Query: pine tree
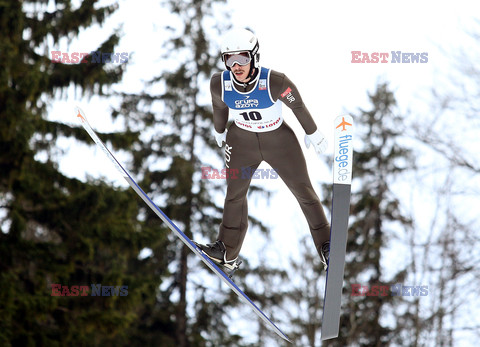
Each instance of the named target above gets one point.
<point>56,229</point>
<point>378,160</point>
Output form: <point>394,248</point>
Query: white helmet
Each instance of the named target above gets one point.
<point>240,40</point>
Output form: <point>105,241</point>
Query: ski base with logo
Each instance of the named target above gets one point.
<point>186,240</point>
<point>342,179</point>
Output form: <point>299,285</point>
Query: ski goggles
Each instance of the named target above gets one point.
<point>242,58</point>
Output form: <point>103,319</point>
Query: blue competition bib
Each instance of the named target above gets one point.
<point>255,110</point>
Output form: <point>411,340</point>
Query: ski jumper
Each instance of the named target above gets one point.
<point>258,133</point>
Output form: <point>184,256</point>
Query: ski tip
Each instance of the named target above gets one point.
<point>80,114</point>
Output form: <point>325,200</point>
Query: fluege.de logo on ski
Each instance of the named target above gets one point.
<point>341,160</point>
<point>343,155</point>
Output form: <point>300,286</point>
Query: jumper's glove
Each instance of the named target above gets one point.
<point>318,140</point>
<point>220,137</point>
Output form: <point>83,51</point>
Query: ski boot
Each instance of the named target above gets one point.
<point>218,253</point>
<point>325,254</point>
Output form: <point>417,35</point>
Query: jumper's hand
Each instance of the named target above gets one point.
<point>318,140</point>
<point>220,137</point>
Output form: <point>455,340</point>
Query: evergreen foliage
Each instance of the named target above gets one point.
<point>57,230</point>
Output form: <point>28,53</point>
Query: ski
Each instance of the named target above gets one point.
<point>342,179</point>
<point>81,115</point>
